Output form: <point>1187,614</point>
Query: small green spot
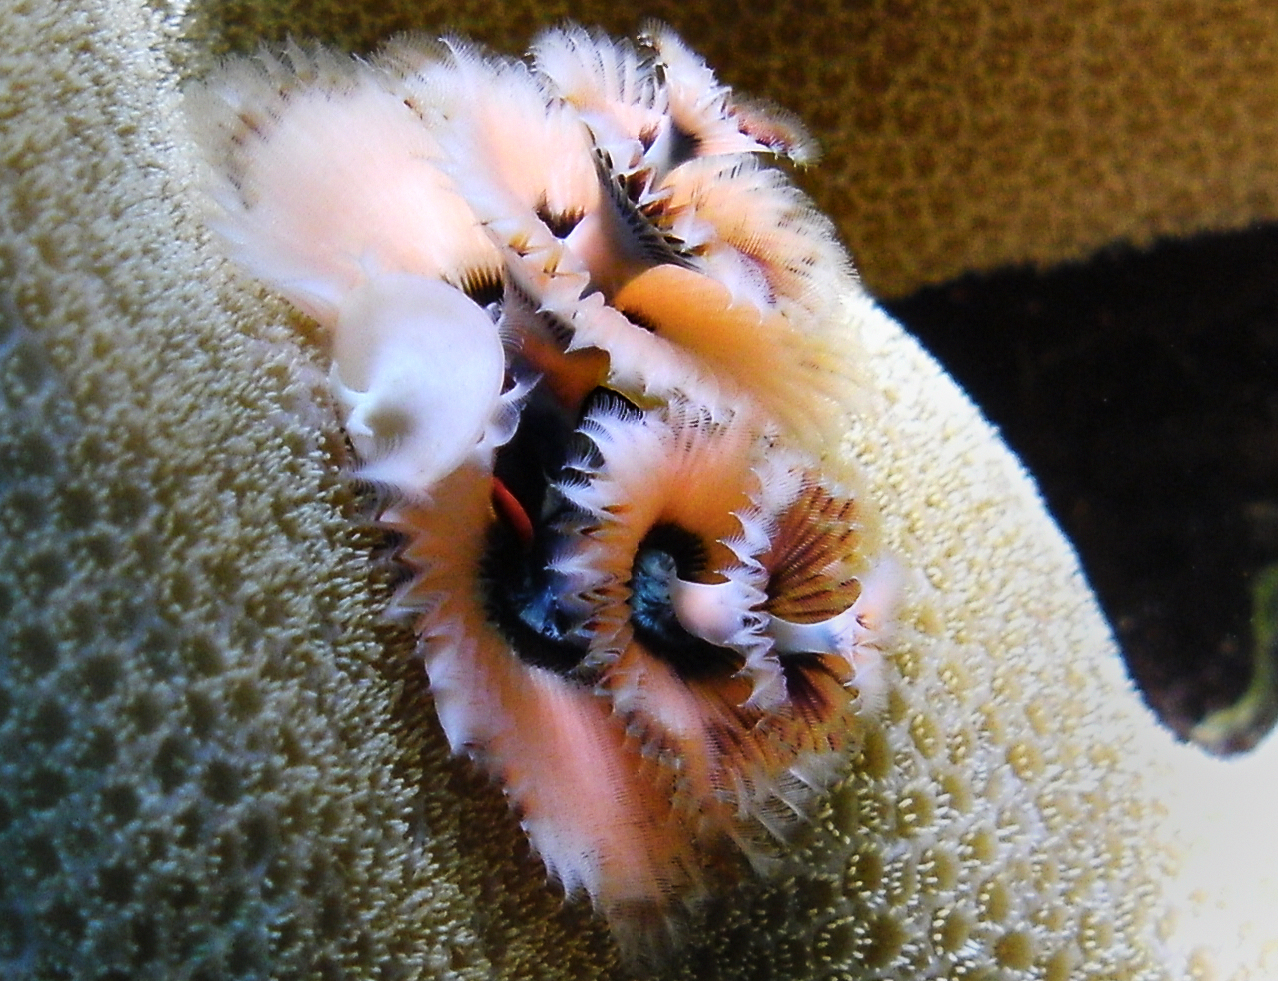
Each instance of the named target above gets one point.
<point>1243,724</point>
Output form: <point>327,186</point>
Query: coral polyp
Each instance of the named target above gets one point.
<point>582,334</point>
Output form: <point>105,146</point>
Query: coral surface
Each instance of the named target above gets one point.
<point>218,761</point>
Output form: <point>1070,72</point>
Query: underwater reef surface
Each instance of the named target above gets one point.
<point>219,761</point>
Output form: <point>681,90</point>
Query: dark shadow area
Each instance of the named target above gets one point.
<point>1140,390</point>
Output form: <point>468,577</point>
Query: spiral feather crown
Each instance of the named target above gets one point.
<point>582,327</point>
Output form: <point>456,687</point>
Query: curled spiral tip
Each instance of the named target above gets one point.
<point>411,419</point>
<point>719,613</point>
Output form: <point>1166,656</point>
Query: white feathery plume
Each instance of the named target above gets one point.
<point>755,355</point>
<point>760,235</point>
<point>322,175</point>
<point>749,751</point>
<point>595,810</point>
<point>525,165</point>
<point>610,84</point>
<point>707,110</point>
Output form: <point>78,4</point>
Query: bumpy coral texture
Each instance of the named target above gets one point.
<point>216,762</point>
<point>958,134</point>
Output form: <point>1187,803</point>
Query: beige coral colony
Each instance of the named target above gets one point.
<point>464,518</point>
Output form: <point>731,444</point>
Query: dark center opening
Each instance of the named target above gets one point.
<point>521,594</point>
<point>665,552</point>
<point>521,599</point>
